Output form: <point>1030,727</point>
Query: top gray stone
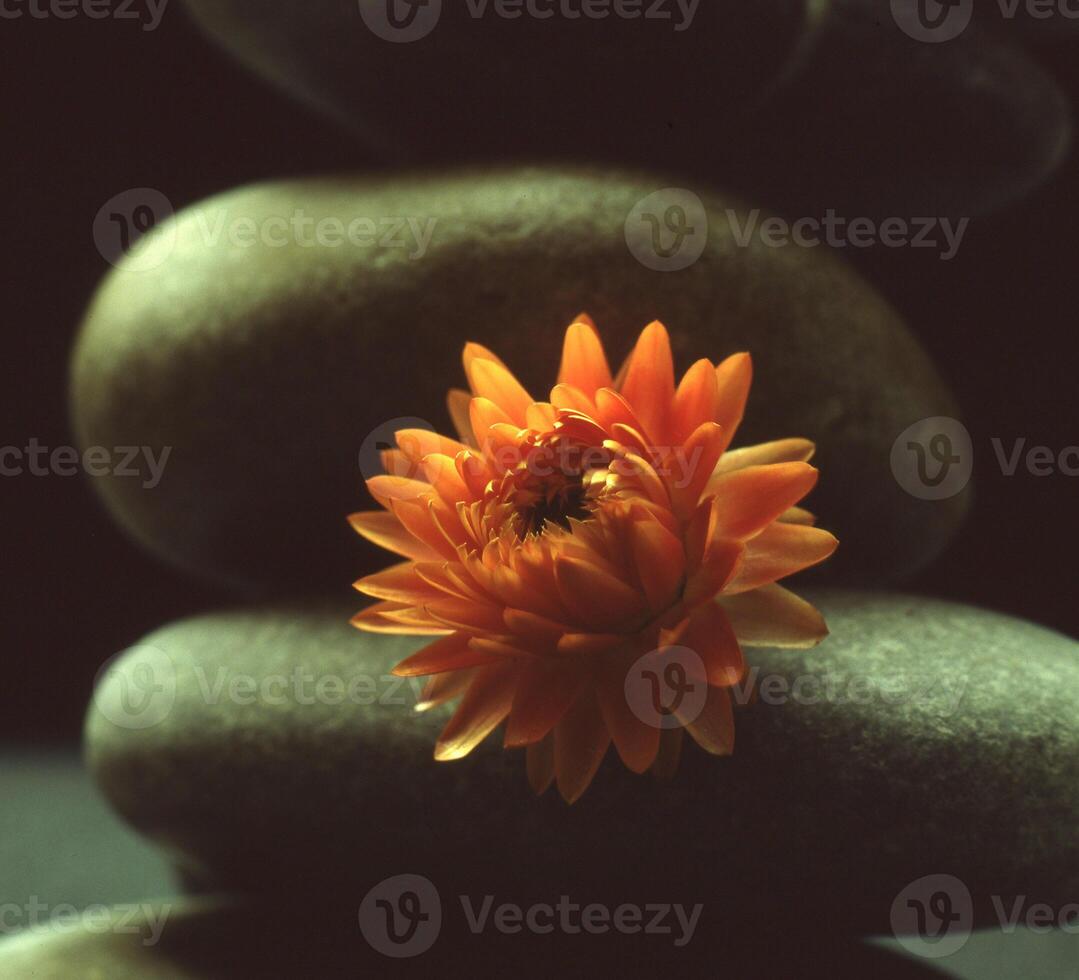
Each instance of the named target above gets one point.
<point>266,363</point>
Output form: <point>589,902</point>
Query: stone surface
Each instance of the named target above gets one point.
<point>805,105</point>
<point>288,939</point>
<point>923,738</point>
<point>266,368</point>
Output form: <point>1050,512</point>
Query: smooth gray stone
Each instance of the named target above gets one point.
<point>264,369</point>
<point>803,104</point>
<point>295,936</point>
<point>922,738</point>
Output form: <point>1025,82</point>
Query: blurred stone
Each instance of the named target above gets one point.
<point>263,361</point>
<point>804,104</point>
<point>299,936</point>
<point>880,123</point>
<point>921,739</point>
<point>601,85</point>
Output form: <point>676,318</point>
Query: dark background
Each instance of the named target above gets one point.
<point>93,108</point>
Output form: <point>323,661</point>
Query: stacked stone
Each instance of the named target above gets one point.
<point>277,760</point>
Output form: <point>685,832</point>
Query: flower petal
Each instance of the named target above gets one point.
<point>418,518</point>
<point>713,728</point>
<point>711,636</point>
<point>540,764</point>
<point>473,351</point>
<point>417,444</point>
<point>696,401</point>
<point>719,564</point>
<point>442,473</point>
<point>778,551</point>
<point>636,741</point>
<point>466,614</point>
<point>735,378</point>
<point>649,384</point>
<point>660,562</point>
<point>483,708</point>
<point>495,382</point>
<point>696,461</point>
<point>780,451</point>
<point>383,529</point>
<point>541,416</point>
<point>442,688</point>
<point>484,414</point>
<point>584,363</point>
<point>459,404</point>
<point>390,488</point>
<point>545,692</point>
<point>595,597</point>
<point>444,655</point>
<point>749,500</point>
<point>569,398</point>
<point>396,619</point>
<point>399,583</point>
<point>579,644</point>
<point>581,741</point>
<point>773,617</point>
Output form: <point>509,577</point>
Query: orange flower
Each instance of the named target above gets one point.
<point>577,558</point>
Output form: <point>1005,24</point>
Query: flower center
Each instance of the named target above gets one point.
<point>549,485</point>
<point>556,500</point>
